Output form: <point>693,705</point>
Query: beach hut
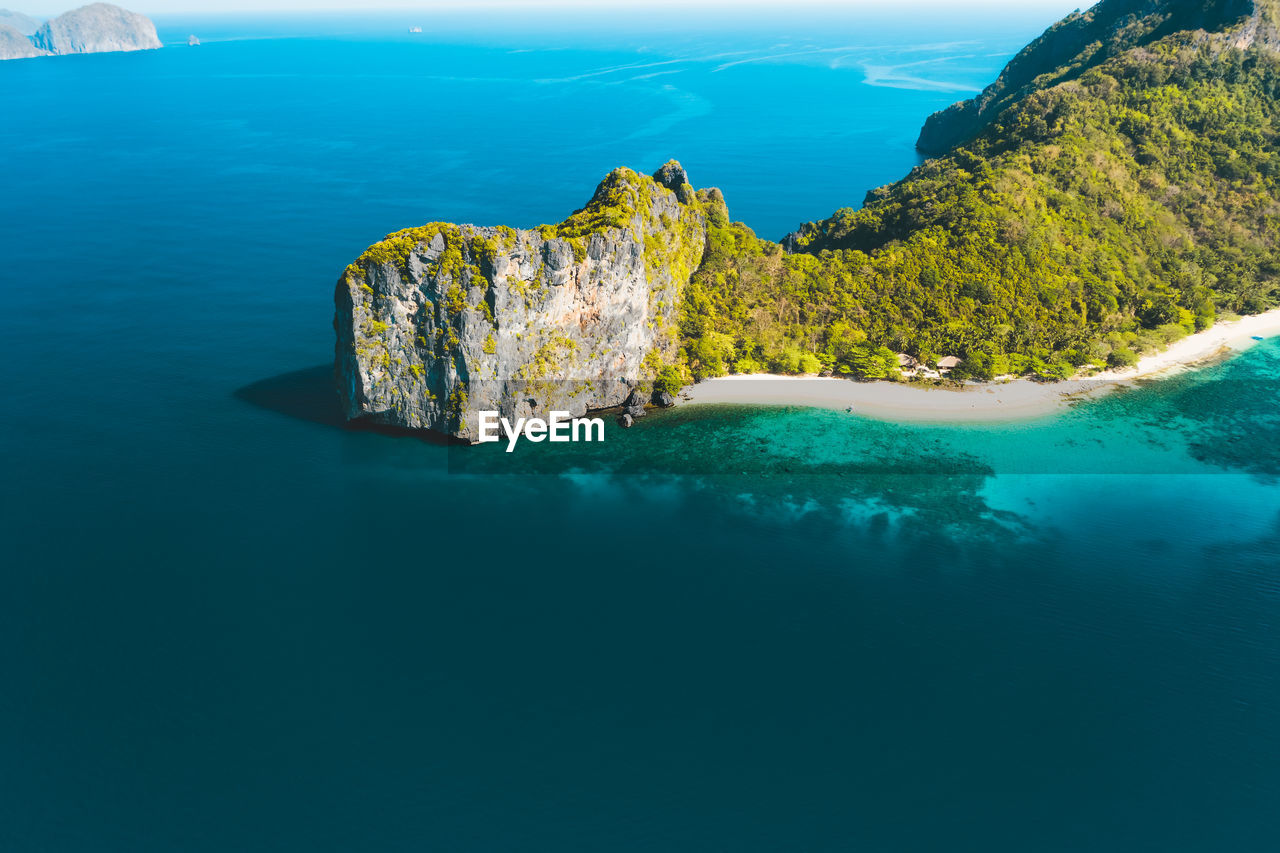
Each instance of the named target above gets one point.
<point>947,362</point>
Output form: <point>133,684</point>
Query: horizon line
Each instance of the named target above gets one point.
<point>49,10</point>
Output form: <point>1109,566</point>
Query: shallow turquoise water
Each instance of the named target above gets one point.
<point>228,623</point>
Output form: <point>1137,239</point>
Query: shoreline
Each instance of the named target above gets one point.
<point>1009,400</point>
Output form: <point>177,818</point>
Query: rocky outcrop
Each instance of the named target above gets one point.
<point>1261,29</point>
<point>14,45</point>
<point>98,28</point>
<point>437,323</point>
<point>24,24</point>
<point>635,403</point>
<point>1084,40</point>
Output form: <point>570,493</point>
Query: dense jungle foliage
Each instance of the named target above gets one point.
<point>1079,42</point>
<point>1091,221</point>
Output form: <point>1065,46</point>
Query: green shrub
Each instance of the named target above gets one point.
<point>670,380</point>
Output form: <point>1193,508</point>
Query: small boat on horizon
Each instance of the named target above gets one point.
<point>415,29</point>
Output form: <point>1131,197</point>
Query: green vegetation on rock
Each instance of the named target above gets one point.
<point>1116,189</point>
<point>1098,218</point>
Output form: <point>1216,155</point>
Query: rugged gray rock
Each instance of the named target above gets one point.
<point>98,28</point>
<point>24,24</point>
<point>438,323</point>
<point>635,403</point>
<point>14,45</point>
<point>672,175</point>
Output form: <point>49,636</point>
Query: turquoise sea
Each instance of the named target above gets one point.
<point>229,623</point>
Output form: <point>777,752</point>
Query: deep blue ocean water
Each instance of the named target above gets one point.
<point>226,623</point>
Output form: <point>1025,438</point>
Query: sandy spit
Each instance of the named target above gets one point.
<point>1016,399</point>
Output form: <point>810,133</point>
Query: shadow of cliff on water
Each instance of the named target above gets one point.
<point>308,395</point>
<point>739,461</point>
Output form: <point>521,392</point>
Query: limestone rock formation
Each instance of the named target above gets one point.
<point>24,24</point>
<point>663,399</point>
<point>437,323</point>
<point>97,28</point>
<point>635,403</point>
<point>14,45</point>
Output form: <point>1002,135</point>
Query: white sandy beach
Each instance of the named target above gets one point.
<point>987,401</point>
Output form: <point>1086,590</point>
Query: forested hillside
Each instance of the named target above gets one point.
<point>1102,214</point>
<point>1079,42</point>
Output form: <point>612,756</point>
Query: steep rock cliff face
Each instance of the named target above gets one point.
<point>97,28</point>
<point>1084,40</point>
<point>437,323</point>
<point>14,45</point>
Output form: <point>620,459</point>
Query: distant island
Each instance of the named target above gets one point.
<point>1116,190</point>
<point>97,28</point>
<point>25,25</point>
<point>14,45</point>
